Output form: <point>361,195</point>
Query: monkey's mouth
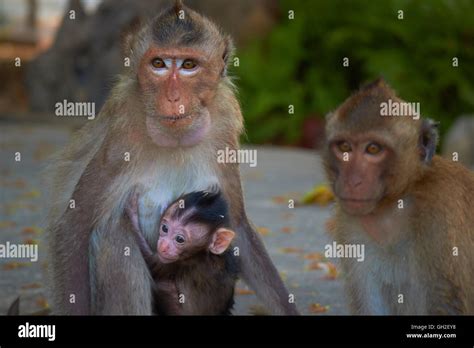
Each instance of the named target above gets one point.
<point>178,130</point>
<point>164,259</point>
<point>173,118</point>
<point>357,206</point>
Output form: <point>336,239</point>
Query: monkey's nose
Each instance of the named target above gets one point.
<point>163,246</point>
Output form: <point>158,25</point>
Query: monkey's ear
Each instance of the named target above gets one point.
<point>228,53</point>
<point>221,240</point>
<point>428,140</point>
<point>128,33</point>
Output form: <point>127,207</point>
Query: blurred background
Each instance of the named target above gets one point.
<point>291,55</point>
<point>425,50</point>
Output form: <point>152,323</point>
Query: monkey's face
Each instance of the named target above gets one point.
<point>178,86</point>
<point>357,166</point>
<point>178,240</point>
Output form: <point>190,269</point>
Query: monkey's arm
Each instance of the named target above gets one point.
<point>168,297</point>
<point>70,236</point>
<point>257,268</point>
<point>131,211</point>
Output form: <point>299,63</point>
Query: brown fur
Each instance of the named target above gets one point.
<point>408,251</point>
<point>88,245</point>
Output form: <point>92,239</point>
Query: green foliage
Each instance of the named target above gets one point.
<point>300,62</point>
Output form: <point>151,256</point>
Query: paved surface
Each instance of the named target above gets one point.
<point>295,238</point>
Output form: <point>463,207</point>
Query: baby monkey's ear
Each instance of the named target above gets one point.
<point>221,240</point>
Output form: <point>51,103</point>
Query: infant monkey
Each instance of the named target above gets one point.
<point>194,271</point>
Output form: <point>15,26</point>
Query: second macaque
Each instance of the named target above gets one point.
<point>193,269</point>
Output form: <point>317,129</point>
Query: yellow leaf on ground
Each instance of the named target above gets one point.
<point>14,265</point>
<point>291,250</point>
<point>33,230</point>
<point>320,194</point>
<point>263,231</point>
<point>31,286</point>
<point>280,199</point>
<point>317,308</point>
<point>313,266</point>
<point>287,230</point>
<point>314,256</point>
<point>42,302</point>
<point>30,241</point>
<point>331,271</point>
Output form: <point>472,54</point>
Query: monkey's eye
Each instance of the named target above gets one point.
<point>164,228</point>
<point>344,146</point>
<point>158,63</point>
<point>189,64</point>
<point>373,148</point>
<point>179,239</point>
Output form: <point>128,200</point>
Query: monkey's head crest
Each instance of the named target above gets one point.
<point>178,7</point>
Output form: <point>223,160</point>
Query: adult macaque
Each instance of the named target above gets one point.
<point>193,260</point>
<point>410,208</point>
<point>161,128</point>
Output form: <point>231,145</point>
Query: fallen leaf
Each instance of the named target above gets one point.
<point>291,250</point>
<point>18,183</point>
<point>42,302</point>
<point>241,291</point>
<point>314,256</point>
<point>313,266</point>
<point>317,308</point>
<point>31,286</point>
<point>33,230</point>
<point>258,310</point>
<point>14,265</point>
<point>30,241</point>
<point>279,199</point>
<point>320,194</point>
<point>263,231</point>
<point>331,271</point>
<point>287,230</point>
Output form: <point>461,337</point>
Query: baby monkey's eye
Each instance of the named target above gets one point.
<point>179,239</point>
<point>344,146</point>
<point>373,148</point>
<point>164,228</point>
<point>158,63</point>
<point>189,64</point>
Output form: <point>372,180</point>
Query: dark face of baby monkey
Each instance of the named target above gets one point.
<point>194,223</point>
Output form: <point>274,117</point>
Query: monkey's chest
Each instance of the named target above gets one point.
<point>164,184</point>
<point>389,282</point>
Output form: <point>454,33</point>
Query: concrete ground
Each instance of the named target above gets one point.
<point>295,238</point>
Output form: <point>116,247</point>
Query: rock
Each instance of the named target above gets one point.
<point>460,139</point>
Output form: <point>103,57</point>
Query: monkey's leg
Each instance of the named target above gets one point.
<point>121,281</point>
<point>257,268</point>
